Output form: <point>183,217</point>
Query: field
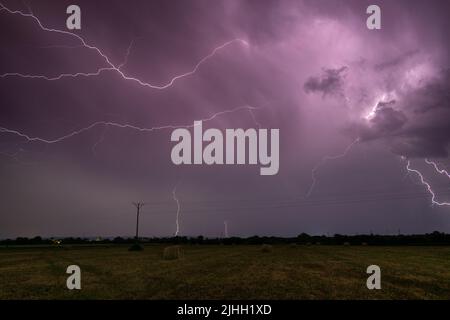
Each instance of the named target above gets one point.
<point>226,272</point>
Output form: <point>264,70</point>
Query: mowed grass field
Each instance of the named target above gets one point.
<point>226,272</point>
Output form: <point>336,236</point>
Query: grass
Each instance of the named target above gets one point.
<point>226,272</point>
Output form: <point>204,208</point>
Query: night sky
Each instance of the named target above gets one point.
<point>354,107</point>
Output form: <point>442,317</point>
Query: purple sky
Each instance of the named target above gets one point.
<point>313,70</point>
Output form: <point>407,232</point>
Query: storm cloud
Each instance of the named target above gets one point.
<point>416,124</point>
<point>329,83</point>
<point>309,68</point>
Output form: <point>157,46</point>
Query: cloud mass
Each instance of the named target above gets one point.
<point>311,69</point>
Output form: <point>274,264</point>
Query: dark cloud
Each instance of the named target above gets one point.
<point>396,61</point>
<point>415,126</point>
<point>428,131</point>
<point>421,146</point>
<point>385,121</point>
<point>434,95</point>
<point>388,120</point>
<point>329,83</point>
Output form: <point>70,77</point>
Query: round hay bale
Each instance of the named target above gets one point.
<point>266,248</point>
<point>172,253</point>
<point>292,245</point>
<point>364,244</point>
<point>136,247</point>
<point>346,243</point>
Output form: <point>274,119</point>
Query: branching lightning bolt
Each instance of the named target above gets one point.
<point>325,160</point>
<point>110,66</point>
<point>441,171</point>
<point>426,184</point>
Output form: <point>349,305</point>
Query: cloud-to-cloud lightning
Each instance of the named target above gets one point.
<point>110,66</point>
<point>118,125</point>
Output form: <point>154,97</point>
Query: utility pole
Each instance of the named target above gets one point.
<point>138,206</point>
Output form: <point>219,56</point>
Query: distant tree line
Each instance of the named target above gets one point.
<point>434,238</point>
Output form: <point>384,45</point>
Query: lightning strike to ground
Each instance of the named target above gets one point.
<point>177,218</point>
<point>225,229</point>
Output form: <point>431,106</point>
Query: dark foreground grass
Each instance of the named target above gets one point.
<point>226,272</point>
